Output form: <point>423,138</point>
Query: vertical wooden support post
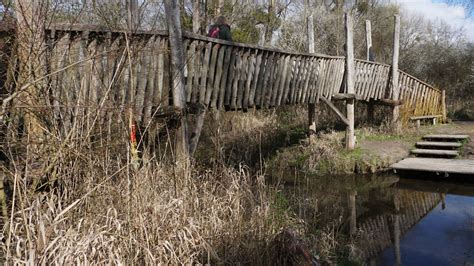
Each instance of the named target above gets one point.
<point>443,104</point>
<point>311,49</point>
<point>396,125</point>
<point>200,116</point>
<point>368,35</point>
<point>350,137</point>
<point>369,57</point>
<point>177,72</point>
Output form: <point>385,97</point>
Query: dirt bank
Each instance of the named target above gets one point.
<point>376,150</point>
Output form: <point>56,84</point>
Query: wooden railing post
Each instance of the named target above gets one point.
<point>443,105</point>
<point>350,137</point>
<point>396,126</point>
<point>369,57</point>
<point>177,72</point>
<point>311,49</point>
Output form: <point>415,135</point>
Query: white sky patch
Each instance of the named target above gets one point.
<point>453,15</point>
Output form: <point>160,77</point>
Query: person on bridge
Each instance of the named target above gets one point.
<point>220,30</point>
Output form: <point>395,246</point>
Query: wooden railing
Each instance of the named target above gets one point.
<point>99,71</point>
<point>379,230</point>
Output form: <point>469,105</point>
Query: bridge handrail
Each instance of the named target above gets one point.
<point>99,28</point>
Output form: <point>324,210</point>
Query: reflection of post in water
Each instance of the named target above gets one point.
<point>443,200</point>
<point>396,226</point>
<point>353,213</point>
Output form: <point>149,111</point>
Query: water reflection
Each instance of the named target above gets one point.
<point>395,221</point>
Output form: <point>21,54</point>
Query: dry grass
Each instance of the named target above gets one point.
<point>165,218</point>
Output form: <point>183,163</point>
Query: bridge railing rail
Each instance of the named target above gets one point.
<point>93,68</point>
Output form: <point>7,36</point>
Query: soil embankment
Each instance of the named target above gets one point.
<point>376,150</point>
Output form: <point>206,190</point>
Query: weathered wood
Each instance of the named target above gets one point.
<point>447,137</point>
<point>439,144</point>
<point>218,76</point>
<point>425,117</point>
<point>227,68</point>
<point>190,58</point>
<point>443,105</point>
<point>338,113</point>
<point>212,70</point>
<point>395,86</point>
<point>368,38</point>
<point>255,80</point>
<point>434,152</point>
<point>249,79</point>
<point>350,135</point>
<point>344,96</point>
<point>454,166</point>
<point>204,73</point>
<point>177,63</point>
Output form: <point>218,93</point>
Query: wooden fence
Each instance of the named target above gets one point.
<point>122,72</point>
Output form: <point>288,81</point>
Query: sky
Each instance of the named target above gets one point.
<point>454,15</point>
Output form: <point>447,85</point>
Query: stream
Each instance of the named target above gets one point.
<point>392,220</point>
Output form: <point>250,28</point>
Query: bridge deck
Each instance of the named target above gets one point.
<point>454,166</point>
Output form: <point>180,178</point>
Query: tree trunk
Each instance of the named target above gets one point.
<point>177,72</point>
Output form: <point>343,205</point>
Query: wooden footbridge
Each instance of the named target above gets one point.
<point>99,74</point>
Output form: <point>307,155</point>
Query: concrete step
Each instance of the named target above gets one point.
<point>445,153</point>
<point>439,144</point>
<point>446,137</point>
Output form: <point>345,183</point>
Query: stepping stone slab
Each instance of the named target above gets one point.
<point>438,144</point>
<point>434,152</point>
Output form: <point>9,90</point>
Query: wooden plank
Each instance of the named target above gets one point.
<point>236,79</point>
<point>191,53</point>
<point>455,166</point>
<point>218,77</point>
<point>212,76</point>
<point>294,79</point>
<point>243,78</point>
<point>424,117</point>
<point>225,76</point>
<point>334,108</point>
<point>446,137</point>
<point>272,80</point>
<point>204,72</point>
<point>260,79</point>
<point>150,80</point>
<point>268,69</point>
<point>143,69</point>
<point>230,77</point>
<point>206,57</point>
<point>250,77</point>
<point>160,73</point>
<point>291,71</point>
<point>255,80</point>
<point>198,56</point>
<point>438,144</point>
<point>434,152</point>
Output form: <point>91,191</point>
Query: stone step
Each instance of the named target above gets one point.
<point>439,144</point>
<point>446,153</point>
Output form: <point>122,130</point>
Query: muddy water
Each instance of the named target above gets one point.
<point>389,220</point>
